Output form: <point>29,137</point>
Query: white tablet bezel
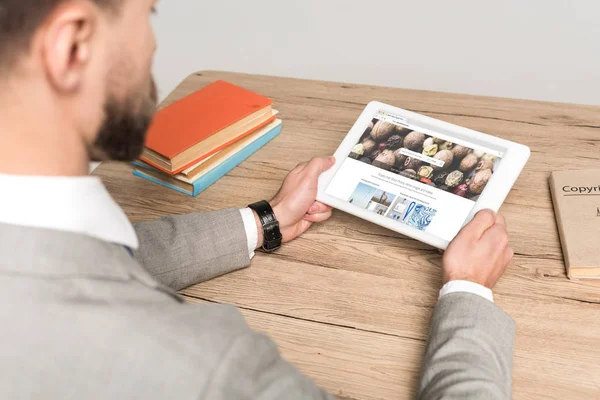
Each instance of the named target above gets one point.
<point>514,159</point>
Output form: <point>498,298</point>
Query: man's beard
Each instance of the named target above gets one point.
<point>123,132</point>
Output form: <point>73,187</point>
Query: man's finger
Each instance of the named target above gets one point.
<point>318,217</point>
<point>318,165</point>
<point>318,208</point>
<point>482,221</point>
<point>300,167</point>
<point>508,254</point>
<point>496,237</point>
<point>500,219</point>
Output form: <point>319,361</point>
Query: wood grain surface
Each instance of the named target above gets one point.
<point>349,302</point>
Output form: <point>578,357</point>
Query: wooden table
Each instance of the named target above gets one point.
<point>349,302</point>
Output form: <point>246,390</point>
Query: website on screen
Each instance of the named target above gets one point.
<point>423,179</point>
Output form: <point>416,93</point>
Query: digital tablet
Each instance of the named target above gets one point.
<point>419,176</point>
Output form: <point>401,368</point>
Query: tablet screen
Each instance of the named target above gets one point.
<point>417,177</point>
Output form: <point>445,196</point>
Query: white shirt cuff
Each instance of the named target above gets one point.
<point>251,230</point>
<point>467,287</point>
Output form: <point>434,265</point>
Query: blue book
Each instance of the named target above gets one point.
<point>194,187</point>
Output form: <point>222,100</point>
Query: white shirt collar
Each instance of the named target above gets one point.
<point>72,204</point>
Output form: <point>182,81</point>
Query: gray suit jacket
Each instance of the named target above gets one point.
<point>82,319</point>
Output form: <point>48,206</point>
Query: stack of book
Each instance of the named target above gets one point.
<point>195,141</point>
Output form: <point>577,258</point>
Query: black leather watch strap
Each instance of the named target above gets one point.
<point>271,233</point>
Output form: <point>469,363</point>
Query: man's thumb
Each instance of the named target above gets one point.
<point>318,165</point>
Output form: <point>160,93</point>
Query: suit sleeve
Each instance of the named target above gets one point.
<point>181,251</point>
<point>470,350</point>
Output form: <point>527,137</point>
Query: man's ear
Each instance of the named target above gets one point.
<point>66,41</point>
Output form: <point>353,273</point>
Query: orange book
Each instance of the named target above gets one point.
<point>203,123</point>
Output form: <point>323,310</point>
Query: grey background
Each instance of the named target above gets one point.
<point>534,49</point>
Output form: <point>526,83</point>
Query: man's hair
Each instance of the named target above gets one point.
<point>19,19</point>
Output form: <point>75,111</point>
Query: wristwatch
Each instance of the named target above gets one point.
<point>271,233</point>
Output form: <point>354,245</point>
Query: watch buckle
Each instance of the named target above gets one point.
<point>273,244</point>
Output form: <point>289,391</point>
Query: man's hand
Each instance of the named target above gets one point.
<point>295,204</point>
<point>480,252</point>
